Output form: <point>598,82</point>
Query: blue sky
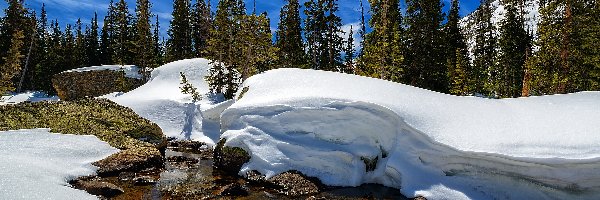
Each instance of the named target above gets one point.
<point>68,11</point>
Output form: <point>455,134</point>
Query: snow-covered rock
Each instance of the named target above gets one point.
<point>333,126</point>
<point>36,164</point>
<point>161,101</point>
<point>131,71</point>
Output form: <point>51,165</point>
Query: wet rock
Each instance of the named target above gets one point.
<point>420,198</point>
<point>136,159</point>
<point>96,187</point>
<point>294,183</point>
<point>229,159</point>
<point>255,177</point>
<point>233,189</point>
<point>126,176</point>
<point>180,159</point>
<point>144,180</point>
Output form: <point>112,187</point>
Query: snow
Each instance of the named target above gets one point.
<point>325,124</point>
<point>131,71</point>
<point>161,101</point>
<point>37,164</point>
<point>32,96</point>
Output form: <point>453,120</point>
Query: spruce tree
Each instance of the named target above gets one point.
<point>107,37</point>
<point>507,75</point>
<point>157,46</point>
<point>144,41</point>
<point>382,51</point>
<point>41,71</point>
<point>201,26</point>
<point>80,55</point>
<point>424,58</point>
<point>322,28</point>
<point>257,49</point>
<point>122,35</point>
<point>68,49</point>
<point>92,43</point>
<point>12,62</point>
<point>179,44</point>
<point>289,37</point>
<point>349,54</point>
<point>484,51</point>
<point>457,65</point>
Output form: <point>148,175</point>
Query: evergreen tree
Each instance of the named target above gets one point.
<point>157,47</point>
<point>201,26</point>
<point>179,45</point>
<point>457,65</point>
<point>144,41</point>
<point>107,37</point>
<point>591,38</point>
<point>68,49</point>
<point>11,65</point>
<point>322,28</point>
<point>507,76</point>
<point>363,28</point>
<point>349,54</point>
<point>424,58</point>
<point>80,56</point>
<point>289,37</point>
<point>41,71</point>
<point>382,51</point>
<point>92,43</point>
<point>256,46</point>
<point>122,35</point>
<point>484,51</point>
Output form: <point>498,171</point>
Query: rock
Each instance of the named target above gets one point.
<point>233,189</point>
<point>136,159</point>
<point>294,183</point>
<point>144,180</point>
<point>76,85</point>
<point>229,159</point>
<point>96,187</point>
<point>255,177</point>
<point>126,176</point>
<point>420,198</point>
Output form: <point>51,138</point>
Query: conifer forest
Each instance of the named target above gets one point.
<point>412,42</point>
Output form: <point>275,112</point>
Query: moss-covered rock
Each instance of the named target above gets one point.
<point>76,85</point>
<point>140,140</point>
<point>229,159</point>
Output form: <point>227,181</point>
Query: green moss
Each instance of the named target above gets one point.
<point>229,159</point>
<point>370,164</point>
<point>243,92</point>
<point>117,125</point>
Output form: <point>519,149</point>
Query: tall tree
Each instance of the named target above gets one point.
<point>457,65</point>
<point>256,48</point>
<point>514,41</point>
<point>157,47</point>
<point>80,55</point>
<point>144,41</point>
<point>11,65</point>
<point>41,71</point>
<point>289,37</point>
<point>425,59</point>
<point>92,43</point>
<point>382,51</point>
<point>201,26</point>
<point>107,37</point>
<point>349,53</point>
<point>123,34</point>
<point>179,44</point>
<point>484,51</point>
<point>322,28</point>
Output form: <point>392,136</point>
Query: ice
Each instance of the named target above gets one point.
<point>161,101</point>
<point>328,125</point>
<point>131,71</point>
<point>36,164</point>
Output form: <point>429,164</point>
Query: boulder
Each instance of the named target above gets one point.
<point>97,187</point>
<point>229,159</point>
<point>76,85</point>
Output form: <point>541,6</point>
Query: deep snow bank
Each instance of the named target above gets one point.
<point>336,126</point>
<point>161,101</point>
<point>36,164</point>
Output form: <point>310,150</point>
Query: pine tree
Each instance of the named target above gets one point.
<point>107,37</point>
<point>41,71</point>
<point>80,55</point>
<point>507,76</point>
<point>591,38</point>
<point>157,47</point>
<point>457,65</point>
<point>289,37</point>
<point>257,49</point>
<point>363,28</point>
<point>144,41</point>
<point>349,54</point>
<point>92,43</point>
<point>322,28</point>
<point>15,19</point>
<point>201,26</point>
<point>68,49</point>
<point>12,62</point>
<point>122,35</point>
<point>424,58</point>
<point>179,45</point>
<point>484,51</point>
<point>382,51</point>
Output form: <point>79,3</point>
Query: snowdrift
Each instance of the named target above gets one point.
<point>349,130</point>
<point>161,101</point>
<point>31,96</point>
<point>37,164</point>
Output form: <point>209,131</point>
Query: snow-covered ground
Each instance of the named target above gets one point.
<point>36,164</point>
<point>34,96</point>
<point>131,71</point>
<point>328,125</point>
<point>161,101</point>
